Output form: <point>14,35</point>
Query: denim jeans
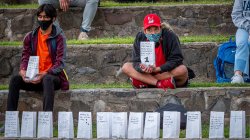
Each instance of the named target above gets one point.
<point>90,8</point>
<point>242,52</point>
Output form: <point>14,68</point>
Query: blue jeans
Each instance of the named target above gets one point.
<point>242,52</point>
<point>90,8</point>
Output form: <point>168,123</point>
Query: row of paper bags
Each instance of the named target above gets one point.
<point>119,125</point>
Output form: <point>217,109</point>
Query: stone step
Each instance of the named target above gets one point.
<point>185,20</point>
<point>223,99</point>
<point>101,63</point>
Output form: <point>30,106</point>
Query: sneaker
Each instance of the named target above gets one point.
<point>138,84</point>
<point>166,83</point>
<point>237,79</point>
<point>83,36</point>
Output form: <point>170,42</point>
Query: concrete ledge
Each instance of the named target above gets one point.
<point>131,100</point>
<point>100,63</point>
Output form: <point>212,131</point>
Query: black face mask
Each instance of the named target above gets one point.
<point>44,24</point>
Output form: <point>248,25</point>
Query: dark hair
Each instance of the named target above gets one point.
<point>49,10</point>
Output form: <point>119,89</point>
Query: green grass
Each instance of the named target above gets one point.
<point>213,84</point>
<point>128,85</point>
<point>130,40</point>
<point>96,86</point>
<point>166,3</point>
<point>108,3</point>
<point>3,87</point>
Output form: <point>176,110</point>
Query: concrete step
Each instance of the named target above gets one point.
<point>223,99</point>
<point>185,20</point>
<point>101,63</point>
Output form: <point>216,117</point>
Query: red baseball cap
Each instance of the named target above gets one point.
<point>151,20</point>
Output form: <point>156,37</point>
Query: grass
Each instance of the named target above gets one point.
<point>96,86</point>
<point>108,3</point>
<point>128,85</point>
<point>164,3</point>
<point>130,40</point>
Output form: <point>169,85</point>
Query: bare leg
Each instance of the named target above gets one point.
<point>180,74</point>
<point>129,70</point>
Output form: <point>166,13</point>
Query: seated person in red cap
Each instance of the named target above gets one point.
<point>168,71</point>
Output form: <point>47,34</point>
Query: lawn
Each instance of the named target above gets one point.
<point>130,40</point>
<point>128,85</point>
<point>109,3</point>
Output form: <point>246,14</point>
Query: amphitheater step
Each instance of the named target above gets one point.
<point>223,99</point>
<point>101,63</point>
<point>185,20</point>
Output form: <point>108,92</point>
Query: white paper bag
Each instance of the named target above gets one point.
<point>103,124</point>
<point>45,125</point>
<point>28,129</point>
<point>237,124</point>
<point>84,125</point>
<point>147,53</point>
<point>65,125</point>
<point>193,129</point>
<point>171,124</point>
<point>216,127</point>
<point>152,125</point>
<point>33,67</point>
<point>12,128</point>
<point>135,125</point>
<point>119,125</point>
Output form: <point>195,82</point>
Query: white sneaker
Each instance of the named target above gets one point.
<point>237,79</point>
<point>83,36</point>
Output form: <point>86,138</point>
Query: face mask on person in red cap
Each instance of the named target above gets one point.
<point>152,30</point>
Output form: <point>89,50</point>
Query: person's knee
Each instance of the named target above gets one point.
<point>92,1</point>
<point>16,79</point>
<point>47,79</point>
<point>242,43</point>
<point>126,67</point>
<point>181,71</point>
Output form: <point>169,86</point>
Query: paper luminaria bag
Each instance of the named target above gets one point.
<point>65,125</point>
<point>45,125</point>
<point>135,125</point>
<point>171,124</point>
<point>147,53</point>
<point>12,128</point>
<point>152,125</point>
<point>194,129</point>
<point>119,125</point>
<point>216,125</point>
<point>84,125</point>
<point>237,124</point>
<point>103,124</point>
<point>33,67</point>
<point>28,128</point>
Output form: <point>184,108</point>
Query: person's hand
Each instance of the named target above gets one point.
<point>64,5</point>
<point>146,69</point>
<point>38,78</point>
<point>156,69</point>
<point>23,74</point>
